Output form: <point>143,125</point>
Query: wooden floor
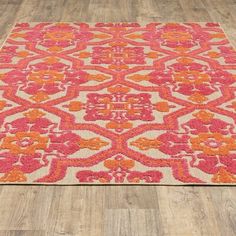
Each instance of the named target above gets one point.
<point>117,210</point>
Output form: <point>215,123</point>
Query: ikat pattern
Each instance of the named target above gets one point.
<point>117,103</point>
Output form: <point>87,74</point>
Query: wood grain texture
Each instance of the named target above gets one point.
<point>118,210</point>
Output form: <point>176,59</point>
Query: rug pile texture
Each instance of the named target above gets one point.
<point>117,103</point>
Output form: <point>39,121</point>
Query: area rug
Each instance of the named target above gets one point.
<point>117,103</point>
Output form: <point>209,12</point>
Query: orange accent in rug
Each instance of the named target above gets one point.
<point>117,103</point>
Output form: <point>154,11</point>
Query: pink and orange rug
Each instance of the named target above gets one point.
<point>112,103</point>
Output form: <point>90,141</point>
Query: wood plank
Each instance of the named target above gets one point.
<point>76,210</point>
<point>8,11</point>
<point>22,233</point>
<point>132,222</point>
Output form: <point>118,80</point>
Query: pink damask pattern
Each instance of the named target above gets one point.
<point>117,103</point>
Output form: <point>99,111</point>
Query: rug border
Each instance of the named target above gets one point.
<point>124,184</point>
<point>143,22</point>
